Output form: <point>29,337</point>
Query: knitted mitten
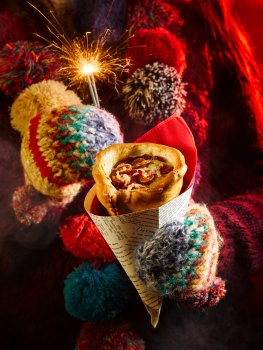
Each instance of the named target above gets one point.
<point>180,261</point>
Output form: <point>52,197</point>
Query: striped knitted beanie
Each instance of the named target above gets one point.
<point>59,148</point>
<point>180,260</point>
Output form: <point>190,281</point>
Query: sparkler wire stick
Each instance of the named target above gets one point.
<point>95,90</point>
<point>92,91</point>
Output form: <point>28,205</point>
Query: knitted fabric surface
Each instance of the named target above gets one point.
<point>82,238</point>
<point>96,295</point>
<point>59,148</point>
<point>40,97</point>
<point>23,63</point>
<point>109,336</point>
<point>181,258</point>
<point>153,93</point>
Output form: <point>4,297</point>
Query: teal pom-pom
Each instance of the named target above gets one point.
<point>96,295</point>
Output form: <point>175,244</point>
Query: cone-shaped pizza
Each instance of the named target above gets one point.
<point>138,176</point>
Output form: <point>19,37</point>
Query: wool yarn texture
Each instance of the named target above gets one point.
<point>29,206</point>
<point>148,46</point>
<point>180,260</point>
<point>96,295</point>
<point>109,336</point>
<point>23,63</point>
<point>82,238</point>
<point>59,149</point>
<point>152,14</point>
<point>40,97</point>
<point>153,93</point>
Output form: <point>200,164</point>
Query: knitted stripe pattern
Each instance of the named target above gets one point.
<point>59,148</point>
<point>109,336</point>
<point>182,257</point>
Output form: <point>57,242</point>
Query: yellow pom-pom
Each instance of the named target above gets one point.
<point>43,96</point>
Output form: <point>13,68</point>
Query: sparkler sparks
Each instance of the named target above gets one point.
<point>83,62</point>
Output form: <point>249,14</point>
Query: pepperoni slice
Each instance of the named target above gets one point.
<point>165,169</point>
<point>131,172</point>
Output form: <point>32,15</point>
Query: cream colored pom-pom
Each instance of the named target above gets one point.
<point>43,96</point>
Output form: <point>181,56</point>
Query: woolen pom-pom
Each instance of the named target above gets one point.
<point>109,336</point>
<point>208,297</point>
<point>147,46</point>
<point>29,206</point>
<point>151,14</point>
<point>153,93</point>
<point>43,96</point>
<point>83,239</point>
<point>96,295</point>
<point>23,63</point>
<point>181,258</point>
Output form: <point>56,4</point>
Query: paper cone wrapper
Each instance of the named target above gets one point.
<point>125,232</point>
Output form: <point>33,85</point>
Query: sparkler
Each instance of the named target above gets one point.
<point>82,61</point>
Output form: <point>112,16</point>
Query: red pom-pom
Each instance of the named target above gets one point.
<point>156,45</point>
<point>82,238</point>
<point>108,336</point>
<point>151,14</point>
<point>208,297</point>
<point>13,27</point>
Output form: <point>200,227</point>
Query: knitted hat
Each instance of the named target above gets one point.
<point>43,96</point>
<point>180,260</point>
<point>59,149</point>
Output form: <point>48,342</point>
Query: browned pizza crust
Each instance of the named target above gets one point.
<point>126,183</point>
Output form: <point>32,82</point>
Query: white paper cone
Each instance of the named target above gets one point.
<point>125,232</point>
